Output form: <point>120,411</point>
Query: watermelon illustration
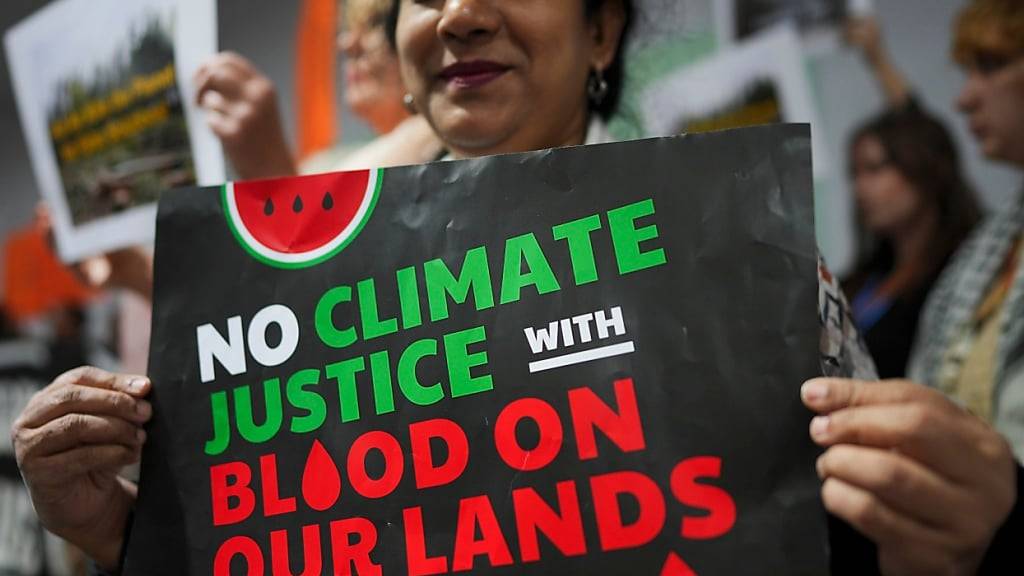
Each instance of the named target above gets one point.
<point>300,222</point>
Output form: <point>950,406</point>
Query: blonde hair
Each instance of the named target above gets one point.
<point>989,27</point>
<point>365,13</point>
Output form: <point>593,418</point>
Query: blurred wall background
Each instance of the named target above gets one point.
<point>917,31</point>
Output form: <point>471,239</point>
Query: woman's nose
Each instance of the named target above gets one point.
<point>348,43</point>
<point>968,98</point>
<point>469,21</point>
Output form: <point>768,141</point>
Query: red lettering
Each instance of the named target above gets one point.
<point>550,428</point>
<point>612,532</point>
<point>720,506</point>
<point>473,512</point>
<point>348,554</point>
<point>223,492</point>
<point>428,474</point>
<point>417,561</point>
<point>238,546</point>
<point>590,412</point>
<point>533,515</point>
<point>394,464</point>
<point>273,504</point>
<point>311,556</point>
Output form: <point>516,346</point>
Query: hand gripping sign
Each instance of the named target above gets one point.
<point>579,361</point>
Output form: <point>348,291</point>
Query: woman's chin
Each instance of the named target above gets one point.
<point>474,136</point>
<point>361,102</point>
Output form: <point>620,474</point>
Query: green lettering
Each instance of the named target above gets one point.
<point>310,401</point>
<point>345,373</point>
<point>409,297</point>
<point>461,362</point>
<point>383,393</point>
<point>221,428</point>
<point>407,379</point>
<point>257,434</point>
<point>373,326</point>
<point>441,283</point>
<point>324,318</point>
<point>581,249</point>
<point>538,274</point>
<point>626,237</point>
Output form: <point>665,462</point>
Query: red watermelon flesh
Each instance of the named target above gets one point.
<point>298,215</point>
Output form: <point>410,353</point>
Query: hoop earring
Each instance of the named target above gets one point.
<point>597,87</point>
<point>410,103</point>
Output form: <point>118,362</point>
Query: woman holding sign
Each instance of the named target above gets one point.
<point>496,77</point>
<point>472,68</point>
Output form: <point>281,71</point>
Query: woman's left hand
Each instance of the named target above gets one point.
<point>924,479</point>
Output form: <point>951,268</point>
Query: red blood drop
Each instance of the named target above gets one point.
<point>321,481</point>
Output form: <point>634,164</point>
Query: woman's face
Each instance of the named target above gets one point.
<point>886,200</point>
<point>993,101</point>
<point>495,76</point>
<point>373,82</point>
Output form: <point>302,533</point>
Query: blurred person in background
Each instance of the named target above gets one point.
<point>242,109</point>
<point>971,340</point>
<point>23,372</point>
<point>498,77</point>
<point>922,477</point>
<point>914,208</point>
<point>26,364</point>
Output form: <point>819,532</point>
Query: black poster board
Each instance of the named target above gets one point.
<point>583,361</point>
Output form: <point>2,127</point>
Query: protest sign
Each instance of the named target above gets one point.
<point>104,97</point>
<point>760,81</point>
<point>584,360</point>
<point>820,22</point>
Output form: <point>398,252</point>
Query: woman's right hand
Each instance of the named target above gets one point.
<point>865,34</point>
<point>241,107</point>
<point>128,268</point>
<point>71,441</point>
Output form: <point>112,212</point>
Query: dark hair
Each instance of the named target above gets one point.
<point>614,75</point>
<point>921,148</point>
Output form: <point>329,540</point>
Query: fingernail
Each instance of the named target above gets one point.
<point>137,384</point>
<point>819,467</point>
<point>140,435</point>
<point>143,408</point>
<point>814,391</point>
<point>819,426</point>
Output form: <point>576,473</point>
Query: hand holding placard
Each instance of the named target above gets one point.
<point>71,441</point>
<point>895,450</point>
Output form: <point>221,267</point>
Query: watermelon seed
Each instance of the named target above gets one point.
<point>328,202</point>
<point>268,208</point>
<point>297,205</point>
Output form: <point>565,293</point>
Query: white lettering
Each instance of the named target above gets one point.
<point>230,353</point>
<point>289,324</point>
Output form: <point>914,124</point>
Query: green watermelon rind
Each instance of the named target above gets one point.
<point>377,174</point>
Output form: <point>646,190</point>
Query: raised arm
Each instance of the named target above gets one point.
<point>865,35</point>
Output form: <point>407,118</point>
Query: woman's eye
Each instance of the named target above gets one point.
<point>990,63</point>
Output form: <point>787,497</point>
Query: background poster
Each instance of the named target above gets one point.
<point>761,81</point>
<point>104,99</point>
<point>820,22</point>
<point>582,361</point>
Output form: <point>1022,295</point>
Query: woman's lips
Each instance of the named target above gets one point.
<point>472,74</point>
